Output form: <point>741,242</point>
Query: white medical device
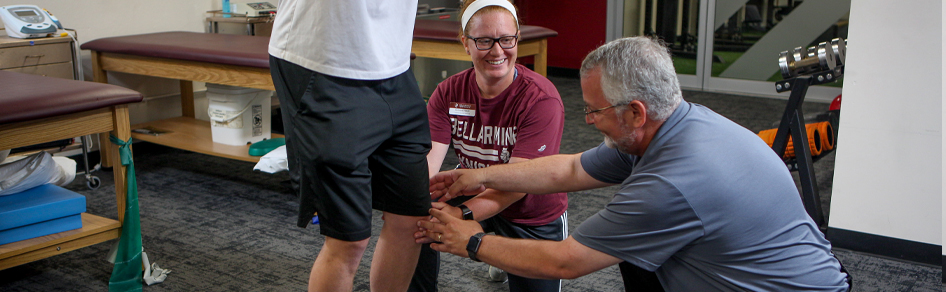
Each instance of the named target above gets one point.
<point>254,9</point>
<point>28,21</point>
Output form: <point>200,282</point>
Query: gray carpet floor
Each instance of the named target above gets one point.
<point>219,226</point>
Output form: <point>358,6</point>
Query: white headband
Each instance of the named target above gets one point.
<point>479,4</point>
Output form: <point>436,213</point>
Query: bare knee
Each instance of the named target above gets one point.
<point>404,222</point>
<point>344,249</point>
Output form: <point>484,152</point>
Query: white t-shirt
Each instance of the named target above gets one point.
<point>354,39</point>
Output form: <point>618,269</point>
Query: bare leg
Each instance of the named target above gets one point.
<point>334,268</point>
<point>395,256</point>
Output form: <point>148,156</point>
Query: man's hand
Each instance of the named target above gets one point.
<point>460,182</point>
<point>452,233</point>
<point>421,235</point>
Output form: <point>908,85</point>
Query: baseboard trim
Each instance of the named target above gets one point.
<point>562,72</point>
<point>886,246</point>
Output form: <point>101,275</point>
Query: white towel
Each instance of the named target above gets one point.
<point>35,170</point>
<point>274,161</point>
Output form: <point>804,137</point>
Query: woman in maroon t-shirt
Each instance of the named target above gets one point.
<point>496,112</point>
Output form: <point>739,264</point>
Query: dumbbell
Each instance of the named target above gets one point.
<point>825,56</point>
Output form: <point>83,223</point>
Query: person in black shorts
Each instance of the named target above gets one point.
<point>356,131</point>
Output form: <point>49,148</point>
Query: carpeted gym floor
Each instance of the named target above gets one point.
<point>219,226</point>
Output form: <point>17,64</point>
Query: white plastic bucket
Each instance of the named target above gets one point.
<point>239,116</point>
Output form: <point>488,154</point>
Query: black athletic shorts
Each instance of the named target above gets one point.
<point>353,145</point>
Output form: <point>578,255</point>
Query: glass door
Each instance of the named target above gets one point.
<point>748,35</point>
<point>733,45</point>
<point>676,22</point>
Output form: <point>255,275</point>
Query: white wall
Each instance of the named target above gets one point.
<point>93,19</point>
<point>944,137</point>
<point>889,173</point>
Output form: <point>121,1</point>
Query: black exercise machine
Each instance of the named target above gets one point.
<point>818,65</point>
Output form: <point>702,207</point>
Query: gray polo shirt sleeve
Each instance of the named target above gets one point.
<point>607,165</point>
<point>646,222</point>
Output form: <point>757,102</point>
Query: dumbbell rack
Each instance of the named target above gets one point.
<point>793,123</point>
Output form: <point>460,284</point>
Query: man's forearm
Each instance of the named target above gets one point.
<point>542,259</point>
<point>526,258</point>
<point>491,202</point>
<point>545,175</point>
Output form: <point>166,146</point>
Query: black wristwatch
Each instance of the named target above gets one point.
<point>467,213</point>
<point>474,245</point>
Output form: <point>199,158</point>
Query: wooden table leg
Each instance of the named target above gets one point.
<point>122,131</point>
<point>105,146</point>
<point>541,59</point>
<point>187,98</point>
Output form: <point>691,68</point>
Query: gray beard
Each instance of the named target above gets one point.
<point>624,143</point>
<point>610,142</point>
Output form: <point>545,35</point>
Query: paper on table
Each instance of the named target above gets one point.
<point>274,161</point>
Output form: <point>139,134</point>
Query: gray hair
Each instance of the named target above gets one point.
<point>636,68</point>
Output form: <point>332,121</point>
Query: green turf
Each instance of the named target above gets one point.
<point>684,65</point>
<point>727,59</point>
<point>688,66</point>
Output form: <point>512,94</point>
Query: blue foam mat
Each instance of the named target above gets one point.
<point>39,204</point>
<point>41,229</point>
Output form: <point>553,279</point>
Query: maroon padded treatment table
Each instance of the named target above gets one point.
<point>438,39</point>
<point>241,60</point>
<point>236,60</point>
<point>36,109</point>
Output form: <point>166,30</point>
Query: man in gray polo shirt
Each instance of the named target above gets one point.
<point>704,203</point>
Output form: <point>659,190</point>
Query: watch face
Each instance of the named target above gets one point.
<point>473,246</point>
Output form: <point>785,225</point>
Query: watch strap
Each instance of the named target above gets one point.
<point>467,213</point>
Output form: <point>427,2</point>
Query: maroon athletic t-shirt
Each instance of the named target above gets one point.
<point>525,121</point>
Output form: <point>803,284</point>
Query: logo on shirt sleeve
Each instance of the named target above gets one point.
<point>542,148</point>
